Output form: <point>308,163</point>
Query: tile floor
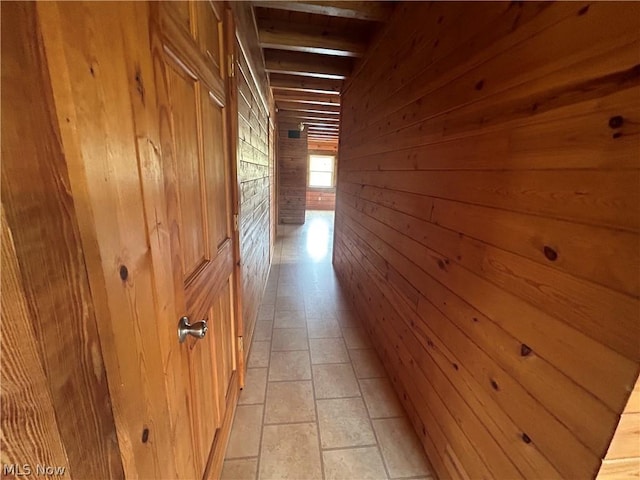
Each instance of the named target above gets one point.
<point>317,403</point>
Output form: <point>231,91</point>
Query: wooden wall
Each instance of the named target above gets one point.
<point>623,457</point>
<point>292,158</point>
<point>487,227</point>
<point>330,147</point>
<point>321,198</point>
<point>88,303</point>
<point>255,177</point>
<point>55,399</point>
<point>273,187</point>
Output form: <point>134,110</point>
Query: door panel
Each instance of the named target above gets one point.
<point>198,185</point>
<point>217,172</point>
<point>181,12</point>
<point>183,90</point>
<point>204,393</point>
<point>210,31</point>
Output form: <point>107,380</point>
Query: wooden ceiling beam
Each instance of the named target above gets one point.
<point>318,132</point>
<point>322,132</point>
<point>305,84</point>
<point>304,97</point>
<point>371,11</point>
<point>307,64</point>
<point>308,117</point>
<point>320,125</point>
<point>322,137</point>
<point>319,129</point>
<point>304,107</point>
<point>309,38</point>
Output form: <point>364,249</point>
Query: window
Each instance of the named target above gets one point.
<point>321,169</point>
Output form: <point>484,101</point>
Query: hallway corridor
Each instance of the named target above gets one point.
<point>317,403</point>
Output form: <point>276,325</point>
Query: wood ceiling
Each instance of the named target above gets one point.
<point>309,49</point>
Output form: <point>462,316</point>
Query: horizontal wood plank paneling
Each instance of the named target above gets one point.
<point>292,174</point>
<point>255,177</point>
<point>321,198</point>
<point>488,208</point>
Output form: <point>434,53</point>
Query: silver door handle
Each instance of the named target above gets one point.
<point>198,329</point>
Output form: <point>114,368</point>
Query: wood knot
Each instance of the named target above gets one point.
<point>525,350</point>
<point>124,272</point>
<point>616,121</point>
<point>526,438</point>
<point>583,10</point>
<point>494,385</point>
<point>479,85</point>
<point>550,253</point>
<point>145,435</point>
<point>455,365</point>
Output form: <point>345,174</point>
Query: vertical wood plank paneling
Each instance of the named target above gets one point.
<point>487,222</point>
<point>30,432</point>
<point>93,76</point>
<point>623,457</point>
<point>292,174</point>
<point>61,315</point>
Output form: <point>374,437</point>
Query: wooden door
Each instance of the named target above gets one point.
<point>197,171</point>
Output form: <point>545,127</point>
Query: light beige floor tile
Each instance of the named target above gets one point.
<point>269,298</point>
<point>266,312</point>
<point>354,463</point>
<point>241,469</point>
<point>323,328</point>
<point>254,386</point>
<point>259,355</point>
<point>356,338</point>
<point>289,402</point>
<point>289,339</point>
<point>289,303</point>
<point>380,398</point>
<point>320,313</point>
<point>334,381</point>
<point>347,319</point>
<point>401,448</point>
<point>262,332</point>
<point>290,366</point>
<point>344,423</point>
<point>290,452</point>
<point>316,302</point>
<point>366,364</point>
<point>290,319</point>
<point>289,297</point>
<point>245,432</point>
<point>328,350</point>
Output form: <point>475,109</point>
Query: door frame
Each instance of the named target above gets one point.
<point>232,142</point>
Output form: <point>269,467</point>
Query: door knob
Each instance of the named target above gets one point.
<point>198,329</point>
